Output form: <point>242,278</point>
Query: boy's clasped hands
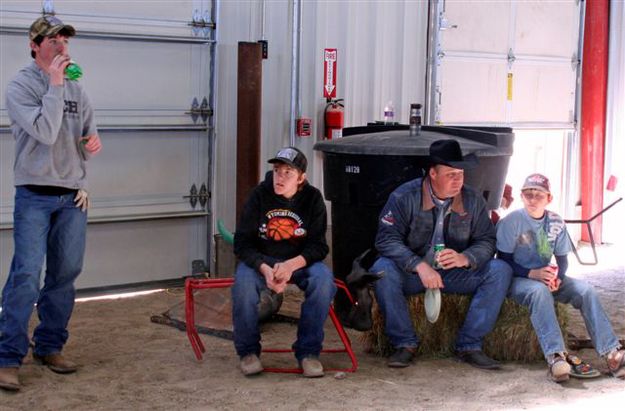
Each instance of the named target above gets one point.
<point>547,275</point>
<point>277,277</point>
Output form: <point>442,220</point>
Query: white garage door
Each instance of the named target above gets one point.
<point>145,65</point>
<point>516,64</point>
<point>505,63</point>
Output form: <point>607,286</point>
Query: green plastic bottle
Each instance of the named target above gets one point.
<point>73,71</point>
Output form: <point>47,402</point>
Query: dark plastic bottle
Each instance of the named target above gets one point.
<point>415,119</point>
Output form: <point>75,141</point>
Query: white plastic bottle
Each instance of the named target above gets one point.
<point>389,113</point>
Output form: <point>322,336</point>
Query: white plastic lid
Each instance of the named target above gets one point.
<point>432,302</point>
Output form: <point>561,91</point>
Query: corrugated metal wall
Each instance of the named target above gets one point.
<point>381,57</point>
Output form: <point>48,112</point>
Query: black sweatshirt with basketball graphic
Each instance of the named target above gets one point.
<point>274,226</point>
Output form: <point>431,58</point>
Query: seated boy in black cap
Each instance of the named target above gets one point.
<point>280,238</point>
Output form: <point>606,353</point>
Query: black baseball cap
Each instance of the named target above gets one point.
<point>291,156</point>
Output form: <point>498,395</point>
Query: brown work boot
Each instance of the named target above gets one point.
<point>9,379</point>
<point>56,362</point>
<point>402,357</point>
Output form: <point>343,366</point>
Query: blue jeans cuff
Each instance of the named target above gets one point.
<point>10,364</point>
<point>472,347</point>
<point>412,346</point>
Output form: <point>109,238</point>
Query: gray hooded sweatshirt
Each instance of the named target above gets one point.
<point>48,123</point>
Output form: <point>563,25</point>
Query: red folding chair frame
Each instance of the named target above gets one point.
<point>193,284</point>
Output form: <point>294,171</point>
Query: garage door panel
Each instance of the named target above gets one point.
<point>6,255</point>
<point>15,55</point>
<point>547,28</point>
<point>473,91</point>
<point>479,24</point>
<point>123,253</point>
<point>535,43</point>
<point>126,253</point>
<point>143,163</point>
<point>21,6</point>
<point>7,191</point>
<point>145,173</point>
<point>543,93</point>
<point>19,13</point>
<point>136,174</point>
<point>134,83</point>
<point>137,75</point>
<point>171,10</point>
<point>167,18</point>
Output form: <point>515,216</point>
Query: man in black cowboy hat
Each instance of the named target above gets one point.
<point>438,210</point>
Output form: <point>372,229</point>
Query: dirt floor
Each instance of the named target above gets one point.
<point>128,362</point>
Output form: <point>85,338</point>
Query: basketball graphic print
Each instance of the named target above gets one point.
<point>281,228</point>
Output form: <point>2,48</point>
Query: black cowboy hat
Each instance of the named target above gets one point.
<point>448,153</point>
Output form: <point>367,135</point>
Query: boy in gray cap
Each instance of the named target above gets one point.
<point>55,134</point>
<point>527,239</point>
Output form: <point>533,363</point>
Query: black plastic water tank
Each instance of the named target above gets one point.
<point>361,169</point>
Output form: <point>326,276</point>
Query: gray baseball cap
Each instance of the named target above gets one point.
<point>291,156</point>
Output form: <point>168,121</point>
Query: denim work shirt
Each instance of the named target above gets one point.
<point>407,223</point>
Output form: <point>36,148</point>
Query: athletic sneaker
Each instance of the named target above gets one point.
<point>616,362</point>
<point>559,369</point>
<point>251,365</point>
<point>312,367</point>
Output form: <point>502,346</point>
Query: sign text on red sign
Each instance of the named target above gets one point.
<point>329,70</point>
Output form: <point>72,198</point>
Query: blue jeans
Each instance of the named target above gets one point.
<point>541,302</point>
<point>316,281</point>
<point>488,285</point>
<point>49,227</point>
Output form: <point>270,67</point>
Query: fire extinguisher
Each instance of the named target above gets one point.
<point>334,119</point>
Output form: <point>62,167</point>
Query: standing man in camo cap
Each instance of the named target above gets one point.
<point>55,134</point>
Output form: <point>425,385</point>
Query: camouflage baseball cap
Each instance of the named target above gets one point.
<point>47,26</point>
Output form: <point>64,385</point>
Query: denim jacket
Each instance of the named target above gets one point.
<point>407,224</point>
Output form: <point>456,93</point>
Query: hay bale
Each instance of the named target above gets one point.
<point>513,338</point>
